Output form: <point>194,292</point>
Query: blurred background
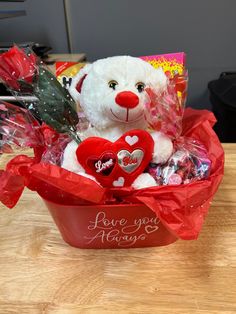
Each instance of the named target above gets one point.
<point>204,30</point>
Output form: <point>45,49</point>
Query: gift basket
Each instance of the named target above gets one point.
<point>117,159</point>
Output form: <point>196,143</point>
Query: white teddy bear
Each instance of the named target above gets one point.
<point>111,93</point>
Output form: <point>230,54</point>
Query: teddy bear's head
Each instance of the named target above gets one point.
<point>112,90</point>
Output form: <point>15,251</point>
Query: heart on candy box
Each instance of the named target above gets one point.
<point>116,164</point>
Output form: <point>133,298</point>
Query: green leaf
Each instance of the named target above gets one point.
<point>25,88</point>
<point>56,107</point>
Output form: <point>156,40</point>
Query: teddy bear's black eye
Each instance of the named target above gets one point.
<point>112,84</point>
<point>140,86</point>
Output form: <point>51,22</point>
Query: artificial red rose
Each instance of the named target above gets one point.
<point>17,68</point>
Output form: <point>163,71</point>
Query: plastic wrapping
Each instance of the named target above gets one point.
<point>189,163</point>
<point>164,111</point>
<point>47,100</point>
<point>18,70</point>
<point>18,129</point>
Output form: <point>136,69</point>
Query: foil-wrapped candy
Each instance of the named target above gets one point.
<point>183,167</point>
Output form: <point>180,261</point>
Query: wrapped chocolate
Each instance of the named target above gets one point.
<point>189,163</point>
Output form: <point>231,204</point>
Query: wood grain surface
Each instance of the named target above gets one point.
<point>39,273</point>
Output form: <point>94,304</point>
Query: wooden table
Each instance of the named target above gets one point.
<point>39,273</point>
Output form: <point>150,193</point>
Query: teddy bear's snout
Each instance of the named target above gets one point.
<point>127,99</point>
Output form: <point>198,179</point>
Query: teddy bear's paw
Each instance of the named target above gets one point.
<point>69,160</point>
<point>88,176</point>
<point>163,148</point>
<point>144,180</point>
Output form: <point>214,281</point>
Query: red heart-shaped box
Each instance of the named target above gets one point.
<point>116,164</point>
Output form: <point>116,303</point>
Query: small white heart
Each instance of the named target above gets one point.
<point>131,140</point>
<point>119,182</point>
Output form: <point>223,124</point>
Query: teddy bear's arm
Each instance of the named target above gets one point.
<point>163,148</point>
<point>70,161</point>
<point>144,180</point>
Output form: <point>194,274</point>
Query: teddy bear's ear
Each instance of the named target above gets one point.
<point>77,82</point>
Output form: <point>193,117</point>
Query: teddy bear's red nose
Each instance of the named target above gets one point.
<point>127,99</point>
